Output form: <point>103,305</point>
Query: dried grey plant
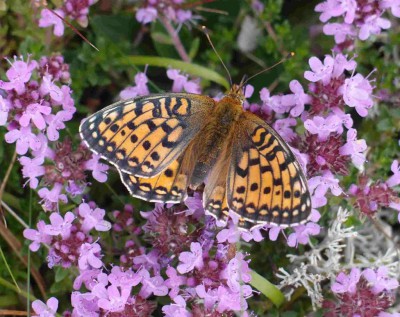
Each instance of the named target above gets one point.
<point>341,248</point>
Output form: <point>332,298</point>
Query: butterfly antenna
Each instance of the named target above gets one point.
<point>205,30</point>
<point>291,54</point>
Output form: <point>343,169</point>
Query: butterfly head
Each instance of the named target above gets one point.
<point>236,92</point>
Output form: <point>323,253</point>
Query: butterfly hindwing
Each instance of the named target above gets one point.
<point>168,186</point>
<point>143,136</point>
<point>265,181</point>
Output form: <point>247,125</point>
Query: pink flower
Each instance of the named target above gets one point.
<point>78,10</point>
<point>373,25</point>
<point>148,260</point>
<point>183,15</point>
<point>124,279</point>
<point>355,148</point>
<point>181,82</point>
<point>210,296</point>
<point>4,109</point>
<point>356,295</point>
<point>99,170</point>
<point>25,140</point>
<point>52,197</point>
<point>152,285</point>
<point>345,118</point>
<point>342,64</point>
<point>88,277</point>
<point>231,234</point>
<point>236,272</point>
<point>174,281</point>
<point>48,18</point>
<point>284,128</point>
<point>384,314</point>
<point>111,299</point>
<point>357,92</point>
<point>302,232</point>
<point>19,74</point>
<point>191,260</point>
<point>394,180</point>
<point>347,283</point>
<point>67,102</point>
<point>319,185</point>
<point>394,5</point>
<point>93,218</point>
<point>34,112</point>
<point>271,102</point>
<point>297,100</point>
<point>340,31</point>
<point>253,234</point>
<point>48,87</point>
<point>45,310</point>
<point>229,300</point>
<point>85,304</point>
<point>55,123</point>
<point>90,256</point>
<point>177,309</point>
<point>257,6</point>
<point>335,8</point>
<point>37,236</point>
<point>140,88</point>
<point>379,280</point>
<point>329,9</point>
<point>146,15</point>
<point>320,71</point>
<point>323,127</point>
<point>32,168</point>
<point>60,226</point>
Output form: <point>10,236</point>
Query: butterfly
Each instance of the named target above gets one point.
<point>164,143</point>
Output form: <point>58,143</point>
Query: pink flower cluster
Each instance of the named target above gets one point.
<point>69,237</point>
<point>71,9</point>
<point>369,196</point>
<point>171,9</point>
<point>181,82</point>
<point>200,274</point>
<point>368,293</point>
<point>356,18</point>
<point>35,105</point>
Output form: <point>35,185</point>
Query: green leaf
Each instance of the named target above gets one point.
<point>194,48</point>
<point>267,288</point>
<point>192,69</point>
<point>61,274</point>
<point>117,27</point>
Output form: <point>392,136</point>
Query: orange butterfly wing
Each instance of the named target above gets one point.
<point>143,136</point>
<point>265,181</point>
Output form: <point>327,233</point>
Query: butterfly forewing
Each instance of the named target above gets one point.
<point>265,181</point>
<point>143,136</point>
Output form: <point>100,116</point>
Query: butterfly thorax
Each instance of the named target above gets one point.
<point>215,138</point>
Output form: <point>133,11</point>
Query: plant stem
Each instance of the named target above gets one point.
<point>175,38</point>
<point>28,267</point>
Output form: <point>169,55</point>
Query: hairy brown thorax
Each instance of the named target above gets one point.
<point>215,137</point>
